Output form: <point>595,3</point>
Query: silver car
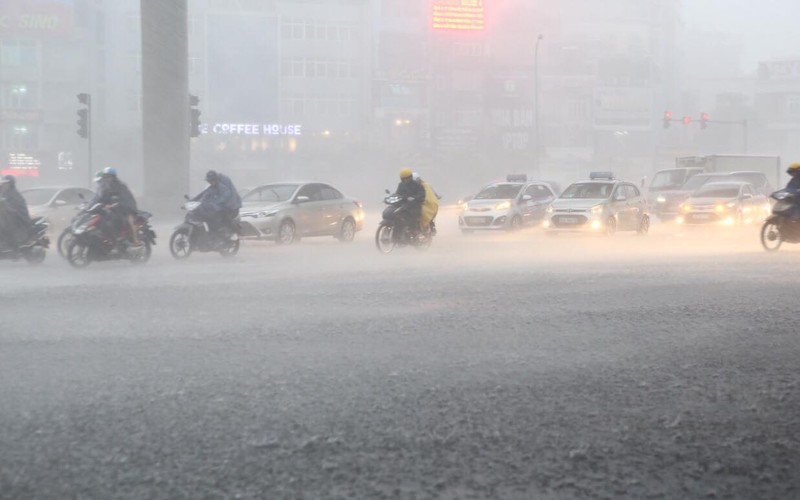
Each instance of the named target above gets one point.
<point>285,212</point>
<point>506,206</point>
<point>600,206</point>
<point>57,204</point>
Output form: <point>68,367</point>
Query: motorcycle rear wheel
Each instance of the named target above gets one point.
<point>384,239</point>
<point>35,255</point>
<point>142,255</point>
<point>180,245</point>
<point>771,236</point>
<point>78,255</point>
<point>231,249</point>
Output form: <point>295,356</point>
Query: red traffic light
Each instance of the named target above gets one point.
<point>687,120</point>
<point>703,120</point>
<point>667,118</point>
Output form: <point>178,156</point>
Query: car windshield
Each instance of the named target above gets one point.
<point>668,179</point>
<point>272,192</point>
<point>697,182</point>
<point>499,192</point>
<point>38,196</point>
<point>594,190</point>
<point>717,192</point>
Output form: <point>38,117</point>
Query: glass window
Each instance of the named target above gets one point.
<point>594,190</point>
<point>328,193</point>
<point>499,192</point>
<point>312,191</point>
<point>718,192</point>
<point>632,191</point>
<point>537,192</point>
<point>271,192</point>
<point>70,197</point>
<point>38,196</point>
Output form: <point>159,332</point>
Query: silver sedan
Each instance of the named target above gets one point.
<point>285,212</point>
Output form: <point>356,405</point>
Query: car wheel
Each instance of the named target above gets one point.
<point>644,225</point>
<point>516,223</point>
<point>348,231</point>
<point>287,233</point>
<point>611,226</point>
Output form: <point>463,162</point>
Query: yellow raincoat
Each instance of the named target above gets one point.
<point>430,207</point>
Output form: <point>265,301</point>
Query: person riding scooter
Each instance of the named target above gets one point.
<point>122,205</point>
<point>15,221</point>
<point>413,193</point>
<point>219,202</point>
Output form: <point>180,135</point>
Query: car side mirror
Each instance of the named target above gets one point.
<point>527,197</point>
<point>620,197</point>
<point>186,197</point>
<point>80,195</point>
<point>746,196</point>
<point>387,191</point>
<point>59,203</point>
<point>302,199</point>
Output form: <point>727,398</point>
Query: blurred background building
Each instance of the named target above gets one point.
<point>464,91</point>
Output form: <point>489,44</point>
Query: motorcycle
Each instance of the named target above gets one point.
<point>194,234</point>
<point>394,215</point>
<point>94,240</point>
<point>67,236</point>
<point>34,250</point>
<point>780,227</point>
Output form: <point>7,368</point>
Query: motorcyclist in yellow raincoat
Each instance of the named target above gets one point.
<point>430,207</point>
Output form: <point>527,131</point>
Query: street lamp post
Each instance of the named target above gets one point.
<point>536,105</point>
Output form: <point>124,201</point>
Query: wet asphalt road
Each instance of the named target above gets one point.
<point>490,366</point>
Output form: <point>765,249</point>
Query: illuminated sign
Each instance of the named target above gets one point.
<point>250,129</point>
<point>21,164</point>
<point>461,15</point>
<point>36,18</point>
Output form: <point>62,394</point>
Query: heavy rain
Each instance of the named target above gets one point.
<point>417,249</point>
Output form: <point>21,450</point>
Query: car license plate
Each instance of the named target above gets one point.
<point>569,220</point>
<point>701,216</point>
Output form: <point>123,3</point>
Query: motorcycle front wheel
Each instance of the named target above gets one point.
<point>384,239</point>
<point>64,239</point>
<point>180,245</point>
<point>231,249</point>
<point>78,254</point>
<point>142,254</point>
<point>771,236</point>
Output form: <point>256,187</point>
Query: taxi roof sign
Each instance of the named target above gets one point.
<point>602,175</point>
<point>517,178</point>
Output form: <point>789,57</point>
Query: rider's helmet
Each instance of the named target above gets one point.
<point>211,177</point>
<point>793,169</point>
<point>8,179</point>
<point>110,171</point>
<point>98,176</point>
<point>405,173</point>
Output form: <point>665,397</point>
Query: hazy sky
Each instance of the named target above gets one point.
<point>770,29</point>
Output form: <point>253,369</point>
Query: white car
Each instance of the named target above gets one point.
<point>506,206</point>
<point>285,212</point>
<point>57,204</point>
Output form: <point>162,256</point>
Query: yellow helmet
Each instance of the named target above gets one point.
<point>794,168</point>
<point>406,172</point>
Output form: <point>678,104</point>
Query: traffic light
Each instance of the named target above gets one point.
<point>194,116</point>
<point>703,119</point>
<point>687,120</point>
<point>83,122</point>
<point>667,118</point>
<point>85,115</point>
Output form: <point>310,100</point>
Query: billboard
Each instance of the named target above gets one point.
<point>458,15</point>
<point>36,18</point>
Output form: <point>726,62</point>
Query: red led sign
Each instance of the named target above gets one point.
<point>460,15</point>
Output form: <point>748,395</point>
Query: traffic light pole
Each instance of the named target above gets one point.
<point>89,142</point>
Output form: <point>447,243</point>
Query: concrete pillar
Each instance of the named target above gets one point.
<point>165,102</point>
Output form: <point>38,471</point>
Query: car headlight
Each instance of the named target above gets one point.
<point>661,199</point>
<point>597,209</point>
<point>505,205</point>
<point>685,208</point>
<point>549,210</point>
<point>731,204</point>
